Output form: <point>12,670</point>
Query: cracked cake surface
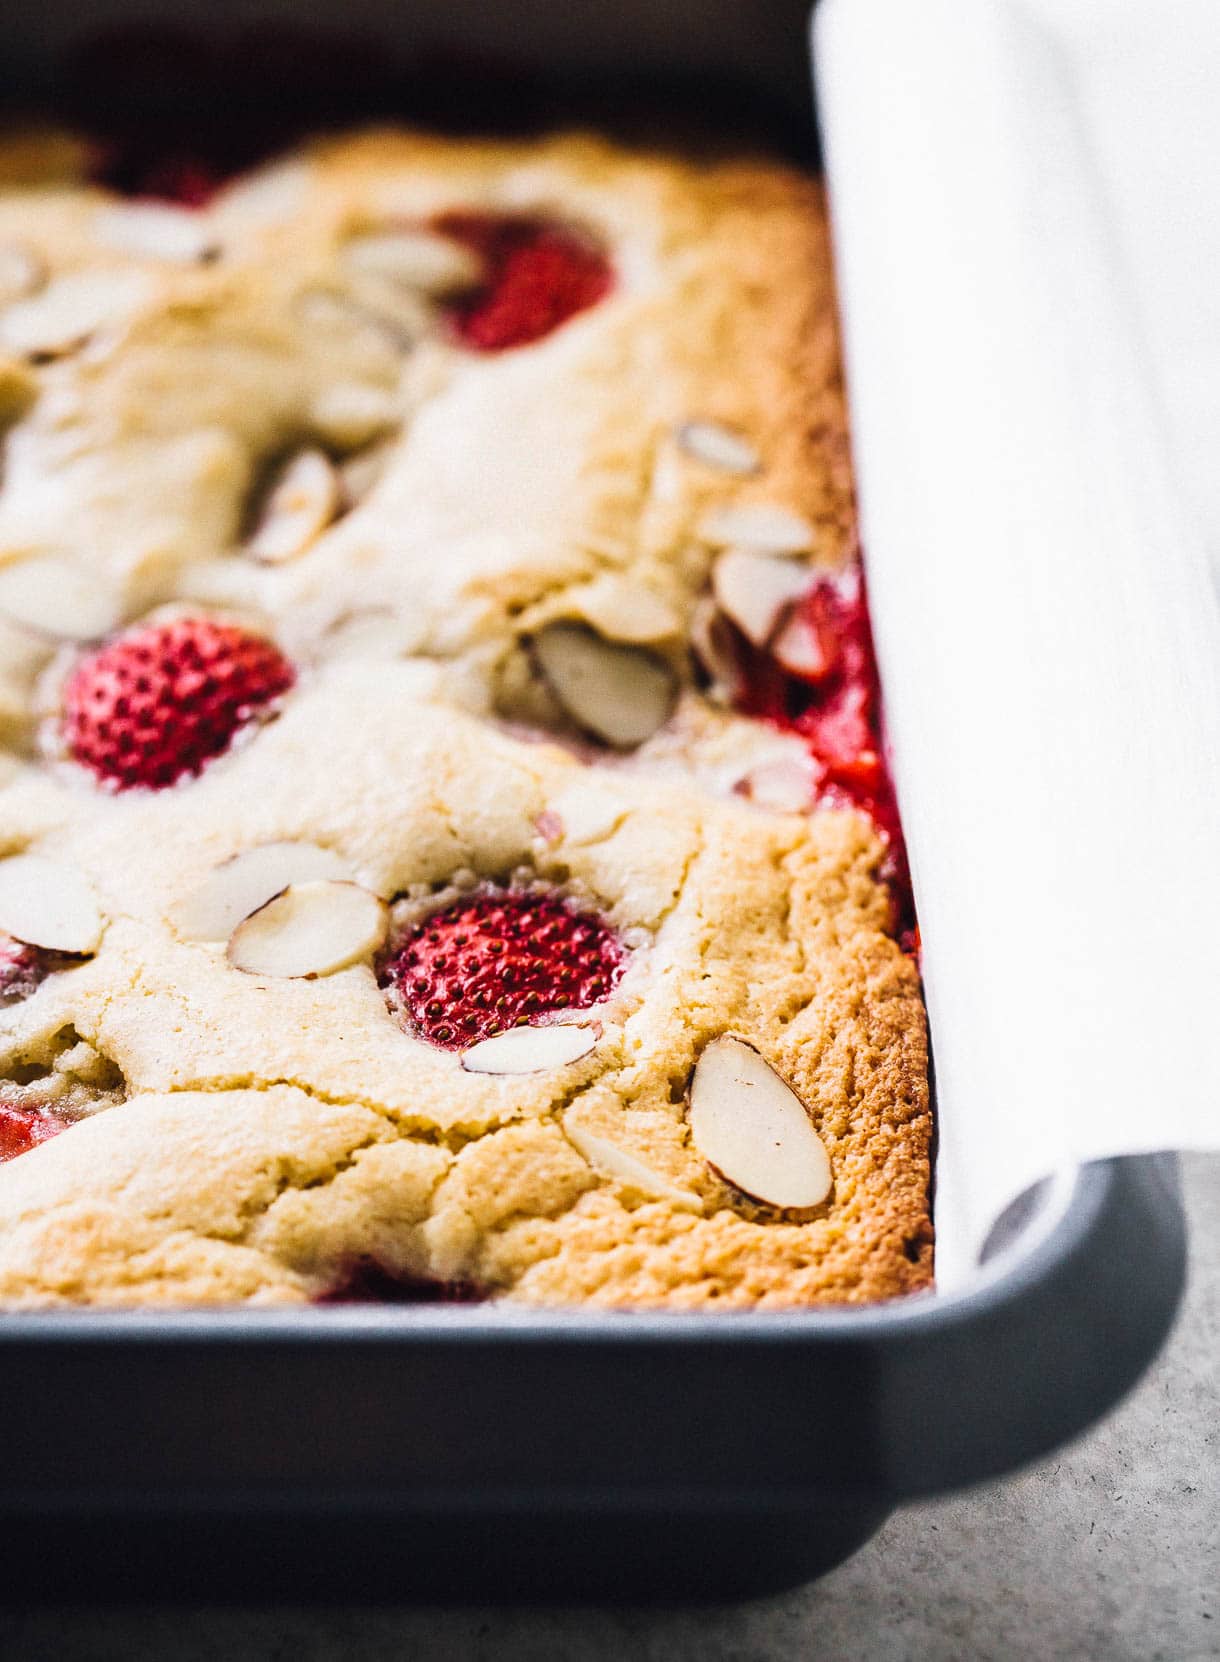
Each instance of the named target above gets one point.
<point>392,884</point>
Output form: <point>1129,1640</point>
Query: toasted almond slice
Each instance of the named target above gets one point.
<point>712,643</point>
<point>625,611</point>
<point>752,1127</point>
<point>239,886</point>
<point>269,195</point>
<point>530,1049</point>
<point>760,526</point>
<point>620,694</point>
<point>69,309</point>
<point>310,929</point>
<point>755,590</point>
<point>343,315</point>
<point>613,1161</point>
<point>351,413</point>
<point>419,258</point>
<point>588,811</point>
<point>402,312</point>
<point>798,648</point>
<point>360,473</point>
<point>57,599</point>
<point>156,230</point>
<point>299,506</point>
<point>786,785</point>
<point>22,272</point>
<point>44,903</point>
<point>718,446</point>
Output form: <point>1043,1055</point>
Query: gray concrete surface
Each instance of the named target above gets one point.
<point>1109,1553</point>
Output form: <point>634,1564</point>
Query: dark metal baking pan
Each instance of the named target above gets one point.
<point>479,1454</point>
<point>475,1454</point>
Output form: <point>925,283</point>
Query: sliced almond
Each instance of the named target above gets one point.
<point>588,811</point>
<point>351,413</point>
<point>403,312</point>
<point>55,598</point>
<point>752,1127</point>
<point>755,590</point>
<point>419,258</point>
<point>359,474</point>
<point>625,611</point>
<point>759,526</point>
<point>269,195</point>
<point>719,447</point>
<point>301,503</point>
<point>798,648</point>
<point>344,315</point>
<point>158,231</point>
<point>46,904</point>
<point>22,272</point>
<point>239,886</point>
<point>69,309</point>
<point>612,1161</point>
<point>620,694</point>
<point>786,785</point>
<point>310,929</point>
<point>530,1049</point>
<point>712,643</point>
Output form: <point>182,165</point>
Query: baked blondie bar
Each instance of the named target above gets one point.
<point>447,851</point>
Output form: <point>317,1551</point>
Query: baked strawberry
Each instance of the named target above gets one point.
<point>22,1129</point>
<point>835,706</point>
<point>497,960</point>
<point>156,704</point>
<point>537,276</point>
<point>22,967</point>
<point>368,1282</point>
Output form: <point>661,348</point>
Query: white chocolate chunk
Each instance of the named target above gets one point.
<point>752,1127</point>
<point>299,506</point>
<point>612,1161</point>
<point>760,526</point>
<point>237,887</point>
<point>58,599</point>
<point>69,309</point>
<point>530,1049</point>
<point>719,447</point>
<point>46,904</point>
<point>156,230</point>
<point>620,694</point>
<point>419,258</point>
<point>310,929</point>
<point>755,590</point>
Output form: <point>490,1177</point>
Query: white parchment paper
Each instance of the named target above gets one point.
<point>1046,625</point>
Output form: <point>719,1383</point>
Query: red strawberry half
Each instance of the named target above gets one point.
<point>156,704</point>
<point>499,959</point>
<point>22,1129</point>
<point>537,276</point>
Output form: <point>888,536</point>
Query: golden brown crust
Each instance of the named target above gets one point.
<point>277,1131</point>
